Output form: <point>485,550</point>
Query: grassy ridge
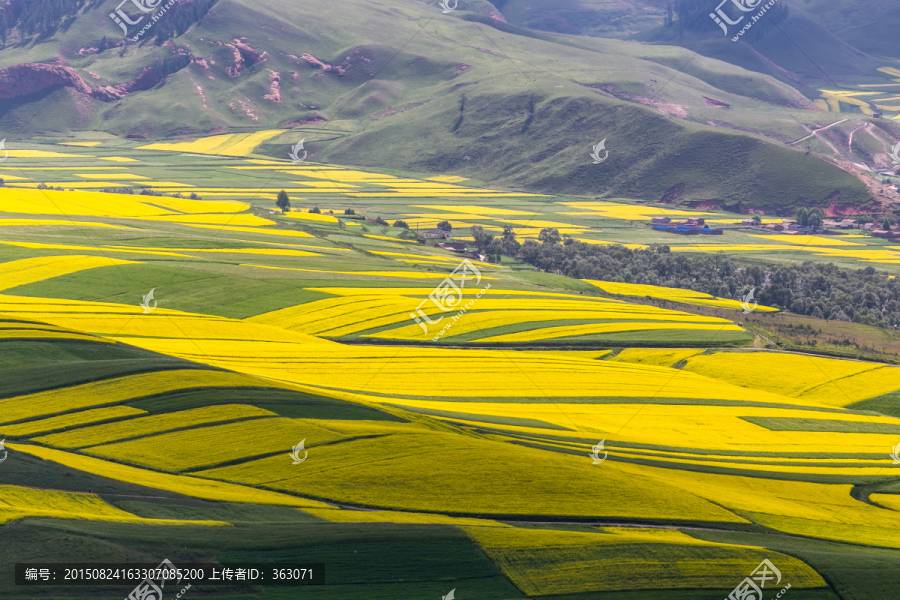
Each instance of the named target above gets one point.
<point>465,85</point>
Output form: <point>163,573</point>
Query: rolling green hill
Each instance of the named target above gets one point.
<point>406,87</point>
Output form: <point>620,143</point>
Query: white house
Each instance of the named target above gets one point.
<point>433,234</point>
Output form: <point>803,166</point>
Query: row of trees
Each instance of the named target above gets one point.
<point>283,201</point>
<point>824,291</point>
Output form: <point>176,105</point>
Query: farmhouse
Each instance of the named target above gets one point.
<point>434,234</point>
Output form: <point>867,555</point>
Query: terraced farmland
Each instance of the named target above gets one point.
<point>132,424</point>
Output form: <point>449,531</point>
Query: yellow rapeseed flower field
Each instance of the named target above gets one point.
<point>630,212</point>
<point>30,270</point>
<point>825,380</point>
<point>105,250</point>
<point>204,447</point>
<point>478,210</point>
<point>431,471</point>
<point>242,220</point>
<point>34,334</point>
<point>114,391</point>
<point>670,294</point>
<point>660,357</point>
<point>807,240</point>
<point>396,516</point>
<point>702,428</point>
<point>550,562</point>
<point>817,510</point>
<point>566,331</point>
<point>193,487</point>
<point>241,144</point>
<point>44,154</point>
<point>388,238</point>
<point>145,426</point>
<point>397,274</point>
<point>199,207</point>
<point>486,320</point>
<point>258,230</point>
<point>891,501</point>
<point>385,370</point>
<point>56,222</point>
<point>353,313</point>
<point>311,217</point>
<point>20,502</point>
<point>75,204</point>
<point>68,421</point>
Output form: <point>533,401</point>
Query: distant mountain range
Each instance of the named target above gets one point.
<point>689,117</point>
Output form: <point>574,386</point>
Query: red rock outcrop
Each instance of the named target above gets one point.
<point>30,78</point>
<point>274,86</point>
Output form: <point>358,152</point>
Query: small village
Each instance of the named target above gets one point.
<point>887,229</point>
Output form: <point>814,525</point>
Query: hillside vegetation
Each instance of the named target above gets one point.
<point>406,87</point>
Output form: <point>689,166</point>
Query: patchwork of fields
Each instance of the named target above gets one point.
<point>139,422</point>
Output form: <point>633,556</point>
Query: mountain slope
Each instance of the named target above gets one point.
<point>401,85</point>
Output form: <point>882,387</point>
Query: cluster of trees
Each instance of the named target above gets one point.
<point>28,18</point>
<point>812,217</point>
<point>179,18</point>
<point>824,291</point>
<point>128,190</point>
<point>31,17</point>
